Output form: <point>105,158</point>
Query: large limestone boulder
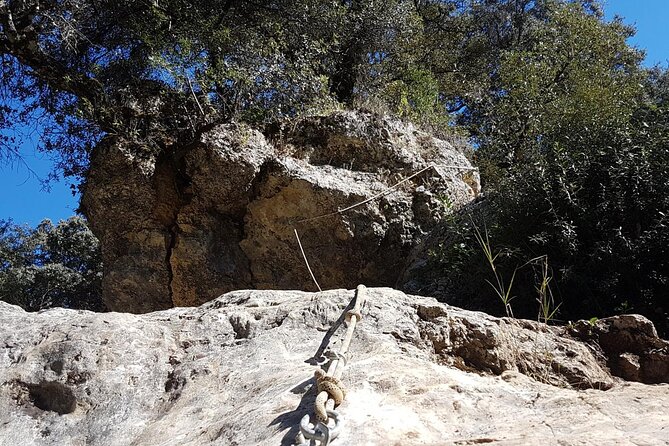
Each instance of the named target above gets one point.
<point>188,225</point>
<point>239,371</point>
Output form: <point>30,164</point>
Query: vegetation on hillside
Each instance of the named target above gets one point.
<point>595,202</point>
<point>50,265</point>
<point>570,131</point>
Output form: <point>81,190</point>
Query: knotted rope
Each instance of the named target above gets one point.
<point>331,392</point>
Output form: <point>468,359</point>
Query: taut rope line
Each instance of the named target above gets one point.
<point>384,192</point>
<point>331,392</point>
<point>306,261</point>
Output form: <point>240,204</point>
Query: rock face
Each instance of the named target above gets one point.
<point>631,346</point>
<point>239,371</point>
<point>221,215</point>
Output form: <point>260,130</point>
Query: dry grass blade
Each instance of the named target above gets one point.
<point>502,291</point>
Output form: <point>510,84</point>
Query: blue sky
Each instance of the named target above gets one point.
<point>22,195</point>
<point>651,19</point>
<point>23,199</point>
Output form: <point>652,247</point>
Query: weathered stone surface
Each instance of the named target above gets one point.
<point>631,344</point>
<point>238,371</point>
<point>220,216</point>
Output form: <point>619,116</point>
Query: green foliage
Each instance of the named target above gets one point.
<point>416,98</point>
<point>50,266</point>
<point>575,77</point>
<point>595,202</point>
<point>571,138</point>
<point>158,73</point>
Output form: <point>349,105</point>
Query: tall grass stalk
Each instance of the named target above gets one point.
<point>502,291</point>
<point>547,307</point>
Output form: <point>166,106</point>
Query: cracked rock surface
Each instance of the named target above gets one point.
<point>239,371</point>
<point>184,227</point>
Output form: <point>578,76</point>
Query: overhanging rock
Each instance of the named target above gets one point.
<point>184,227</point>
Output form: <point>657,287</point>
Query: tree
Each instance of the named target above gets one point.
<point>50,266</point>
<point>575,77</point>
<point>571,138</point>
<point>158,73</point>
<point>595,202</point>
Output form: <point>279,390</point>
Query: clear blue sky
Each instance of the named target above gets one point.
<point>23,199</point>
<point>651,19</point>
<point>22,195</point>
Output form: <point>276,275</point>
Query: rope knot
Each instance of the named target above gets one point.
<point>351,313</point>
<point>334,389</point>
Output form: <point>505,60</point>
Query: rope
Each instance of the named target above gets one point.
<point>331,392</point>
<point>360,295</point>
<point>328,387</point>
<point>306,261</point>
<point>385,192</point>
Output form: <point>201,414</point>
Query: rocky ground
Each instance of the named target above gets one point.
<point>239,371</point>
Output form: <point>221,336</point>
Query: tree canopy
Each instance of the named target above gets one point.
<point>50,265</point>
<point>158,72</point>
